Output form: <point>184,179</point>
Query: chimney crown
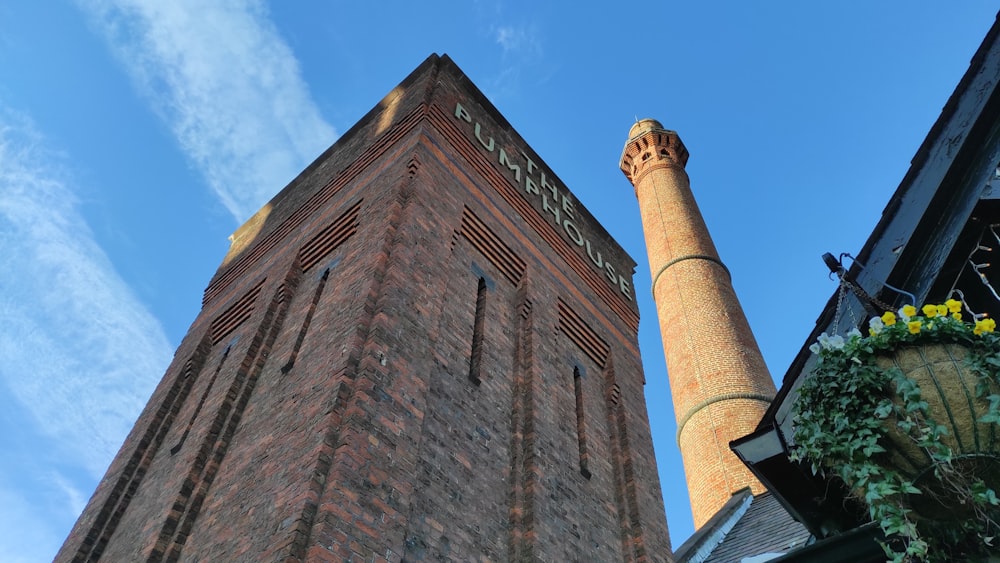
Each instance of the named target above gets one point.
<point>650,145</point>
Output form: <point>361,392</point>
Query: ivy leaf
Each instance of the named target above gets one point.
<point>845,409</point>
<point>872,449</point>
<point>990,417</point>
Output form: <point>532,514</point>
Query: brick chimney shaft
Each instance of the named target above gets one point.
<point>718,379</point>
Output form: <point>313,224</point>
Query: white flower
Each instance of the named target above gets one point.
<point>824,340</point>
<point>814,348</point>
<point>876,325</point>
<point>855,333</point>
<point>827,342</point>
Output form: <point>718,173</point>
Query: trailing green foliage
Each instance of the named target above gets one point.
<point>848,406</point>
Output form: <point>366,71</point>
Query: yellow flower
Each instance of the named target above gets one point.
<point>953,305</point>
<point>909,310</point>
<point>942,310</point>
<point>889,318</point>
<point>930,311</point>
<point>984,325</point>
<point>957,316</point>
<point>914,327</point>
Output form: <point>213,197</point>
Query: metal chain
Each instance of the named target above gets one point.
<point>862,295</point>
<point>841,298</point>
<point>870,304</point>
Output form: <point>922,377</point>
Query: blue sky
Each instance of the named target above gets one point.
<point>135,136</point>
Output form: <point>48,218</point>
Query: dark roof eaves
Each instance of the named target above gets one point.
<point>934,140</point>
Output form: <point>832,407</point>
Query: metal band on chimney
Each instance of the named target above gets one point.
<point>726,397</point>
<point>656,278</point>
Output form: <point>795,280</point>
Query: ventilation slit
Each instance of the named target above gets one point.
<point>476,358</point>
<point>201,402</point>
<point>581,427</point>
<point>305,323</point>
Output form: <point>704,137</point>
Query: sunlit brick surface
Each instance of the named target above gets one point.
<point>718,380</point>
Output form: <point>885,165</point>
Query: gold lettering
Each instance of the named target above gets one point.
<point>561,205</point>
<point>530,187</point>
<point>550,187</point>
<point>575,235</point>
<point>567,206</point>
<point>488,147</point>
<point>510,165</point>
<point>531,163</point>
<point>553,209</point>
<point>625,288</point>
<point>610,270</point>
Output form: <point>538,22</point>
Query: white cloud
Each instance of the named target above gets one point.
<point>73,499</point>
<point>228,86</point>
<point>521,56</point>
<point>80,354</point>
<point>507,37</point>
<point>522,41</point>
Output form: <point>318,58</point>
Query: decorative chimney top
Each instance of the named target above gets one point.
<point>650,146</point>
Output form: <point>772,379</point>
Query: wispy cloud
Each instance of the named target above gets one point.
<point>520,41</point>
<point>521,54</point>
<point>79,349</point>
<point>80,354</point>
<point>228,86</point>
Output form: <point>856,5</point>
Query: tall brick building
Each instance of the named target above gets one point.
<point>423,348</point>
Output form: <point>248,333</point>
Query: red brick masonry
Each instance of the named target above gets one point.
<point>406,355</point>
<point>718,379</point>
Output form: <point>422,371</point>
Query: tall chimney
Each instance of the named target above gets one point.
<point>718,379</point>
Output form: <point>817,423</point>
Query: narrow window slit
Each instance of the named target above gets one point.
<point>581,427</point>
<point>305,324</point>
<point>476,358</point>
<point>201,402</point>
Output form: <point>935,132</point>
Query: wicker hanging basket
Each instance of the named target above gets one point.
<point>949,389</point>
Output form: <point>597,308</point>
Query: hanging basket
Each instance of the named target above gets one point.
<point>907,418</point>
<point>949,389</point>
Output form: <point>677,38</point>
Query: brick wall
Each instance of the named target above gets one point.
<point>395,363</point>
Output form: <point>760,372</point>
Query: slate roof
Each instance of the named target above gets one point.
<point>747,526</point>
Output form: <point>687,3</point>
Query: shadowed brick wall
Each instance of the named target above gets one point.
<point>422,349</point>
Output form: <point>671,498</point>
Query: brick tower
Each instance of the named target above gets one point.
<point>719,382</point>
<point>423,348</point>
